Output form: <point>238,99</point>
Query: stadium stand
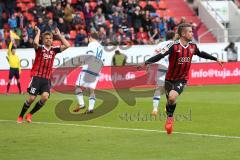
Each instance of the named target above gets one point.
<point>124,21</point>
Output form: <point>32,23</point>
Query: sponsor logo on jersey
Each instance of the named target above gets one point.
<point>182,60</point>
<point>47,56</point>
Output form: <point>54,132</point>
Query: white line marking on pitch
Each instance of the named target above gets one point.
<point>130,129</point>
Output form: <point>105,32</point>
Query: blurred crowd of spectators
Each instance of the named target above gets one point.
<point>118,22</point>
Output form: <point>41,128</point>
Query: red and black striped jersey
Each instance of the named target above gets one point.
<point>43,63</point>
<point>180,58</point>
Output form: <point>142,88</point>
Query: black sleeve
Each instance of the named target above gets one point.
<point>205,55</point>
<point>159,56</point>
<point>57,50</point>
<point>38,48</point>
<point>225,49</point>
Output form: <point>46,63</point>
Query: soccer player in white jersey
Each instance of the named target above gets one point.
<point>161,72</point>
<point>88,77</point>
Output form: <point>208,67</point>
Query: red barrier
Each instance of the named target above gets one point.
<point>129,76</point>
<point>212,73</point>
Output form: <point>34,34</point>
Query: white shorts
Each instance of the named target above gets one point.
<point>87,80</point>
<point>161,75</point>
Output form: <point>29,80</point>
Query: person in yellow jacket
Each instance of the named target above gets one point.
<point>15,68</point>
<point>119,59</point>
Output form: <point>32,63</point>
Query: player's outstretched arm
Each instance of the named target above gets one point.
<point>157,57</point>
<point>37,37</point>
<point>205,55</point>
<point>66,44</point>
<point>166,51</point>
<point>220,62</point>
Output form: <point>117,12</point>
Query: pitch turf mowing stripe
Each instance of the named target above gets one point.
<point>131,129</point>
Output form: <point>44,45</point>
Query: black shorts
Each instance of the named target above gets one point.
<point>14,72</point>
<point>177,86</point>
<point>39,85</point>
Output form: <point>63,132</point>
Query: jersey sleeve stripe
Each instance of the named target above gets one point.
<point>90,72</point>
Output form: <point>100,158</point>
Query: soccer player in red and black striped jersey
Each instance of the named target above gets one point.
<point>41,71</point>
<point>180,56</point>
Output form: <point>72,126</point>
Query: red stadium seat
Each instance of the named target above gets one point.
<point>73,1</point>
<point>30,5</point>
<point>108,23</point>
<point>154,4</point>
<point>81,15</point>
<point>29,16</point>
<point>160,13</point>
<point>19,5</point>
<point>142,4</point>
<point>4,46</point>
<point>6,35</point>
<point>50,15</point>
<point>57,43</point>
<point>27,1</point>
<point>162,5</point>
<point>93,5</point>
<point>169,13</point>
<point>73,34</point>
<point>24,7</point>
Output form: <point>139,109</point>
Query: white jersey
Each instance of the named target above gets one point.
<point>94,49</point>
<point>90,72</point>
<point>164,62</point>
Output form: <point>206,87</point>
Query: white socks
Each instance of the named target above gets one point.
<point>156,100</point>
<point>79,95</point>
<point>91,103</point>
<point>80,99</point>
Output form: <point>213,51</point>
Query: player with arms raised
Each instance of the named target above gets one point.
<point>41,71</point>
<point>180,56</point>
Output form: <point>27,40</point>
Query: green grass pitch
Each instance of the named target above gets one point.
<point>213,110</point>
